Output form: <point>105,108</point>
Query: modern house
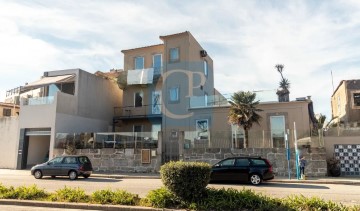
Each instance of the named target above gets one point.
<point>69,101</point>
<point>163,106</point>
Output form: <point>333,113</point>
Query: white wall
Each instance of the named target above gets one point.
<point>9,139</point>
<point>38,148</point>
<point>330,141</point>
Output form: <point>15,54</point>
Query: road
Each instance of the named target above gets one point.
<point>346,194</point>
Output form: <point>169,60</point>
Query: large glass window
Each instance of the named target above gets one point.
<point>156,102</point>
<point>277,124</point>
<point>174,55</point>
<point>139,62</point>
<point>238,137</point>
<point>174,94</point>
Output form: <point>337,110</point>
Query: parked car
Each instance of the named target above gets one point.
<point>68,165</point>
<point>242,169</point>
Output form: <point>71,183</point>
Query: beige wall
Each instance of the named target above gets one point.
<point>146,52</point>
<point>340,93</point>
<point>9,139</point>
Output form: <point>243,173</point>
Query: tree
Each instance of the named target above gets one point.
<point>243,112</point>
<point>321,120</point>
<point>284,84</point>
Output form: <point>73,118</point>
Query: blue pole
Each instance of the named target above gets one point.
<point>296,154</point>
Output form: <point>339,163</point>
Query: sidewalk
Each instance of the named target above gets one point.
<point>319,180</point>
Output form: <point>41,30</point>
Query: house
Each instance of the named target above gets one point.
<point>345,103</point>
<point>9,109</point>
<point>163,107</point>
<point>70,101</point>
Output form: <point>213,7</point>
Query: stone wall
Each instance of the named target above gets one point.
<point>118,160</point>
<point>316,158</point>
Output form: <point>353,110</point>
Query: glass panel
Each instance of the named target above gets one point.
<point>157,63</point>
<point>238,137</point>
<point>174,54</point>
<point>242,162</point>
<point>205,68</point>
<point>139,63</point>
<point>257,162</point>
<point>174,94</point>
<point>156,102</point>
<point>229,162</point>
<point>277,131</point>
<point>202,129</point>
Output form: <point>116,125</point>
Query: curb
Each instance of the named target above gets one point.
<point>66,205</point>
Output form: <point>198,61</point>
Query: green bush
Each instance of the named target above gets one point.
<point>22,192</point>
<point>70,195</point>
<point>186,180</point>
<point>312,203</point>
<point>115,197</point>
<point>161,198</point>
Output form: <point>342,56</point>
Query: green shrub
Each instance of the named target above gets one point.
<point>161,198</point>
<point>312,203</point>
<point>115,197</point>
<point>186,180</point>
<point>23,192</point>
<point>70,195</point>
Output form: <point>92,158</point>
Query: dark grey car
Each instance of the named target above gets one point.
<point>68,165</point>
<point>243,169</point>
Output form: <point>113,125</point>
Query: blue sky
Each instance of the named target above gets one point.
<point>246,39</point>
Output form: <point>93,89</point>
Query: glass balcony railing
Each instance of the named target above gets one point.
<point>37,101</point>
<point>208,101</point>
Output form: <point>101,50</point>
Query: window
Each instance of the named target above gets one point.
<point>157,63</point>
<point>6,112</point>
<point>174,55</point>
<point>139,62</point>
<point>55,161</point>
<point>174,94</point>
<point>242,162</point>
<point>202,129</point>
<point>206,99</point>
<point>277,124</point>
<point>205,67</point>
<point>237,137</point>
<point>156,102</point>
<point>229,162</point>
<point>356,97</point>
<point>138,99</point>
<point>258,162</point>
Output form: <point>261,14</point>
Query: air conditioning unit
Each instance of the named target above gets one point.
<point>203,53</point>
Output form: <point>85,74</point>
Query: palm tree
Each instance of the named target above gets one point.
<point>243,112</point>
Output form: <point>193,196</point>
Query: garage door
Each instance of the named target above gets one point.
<point>349,156</point>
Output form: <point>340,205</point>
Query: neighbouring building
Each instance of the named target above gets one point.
<point>345,103</point>
<point>9,109</point>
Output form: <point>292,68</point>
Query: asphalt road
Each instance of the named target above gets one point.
<point>346,194</point>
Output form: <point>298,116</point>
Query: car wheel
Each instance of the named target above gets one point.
<point>73,175</point>
<point>86,175</point>
<point>38,174</point>
<point>255,179</point>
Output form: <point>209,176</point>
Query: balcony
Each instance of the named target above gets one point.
<point>37,101</point>
<point>132,112</point>
<point>140,76</point>
<point>208,101</point>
